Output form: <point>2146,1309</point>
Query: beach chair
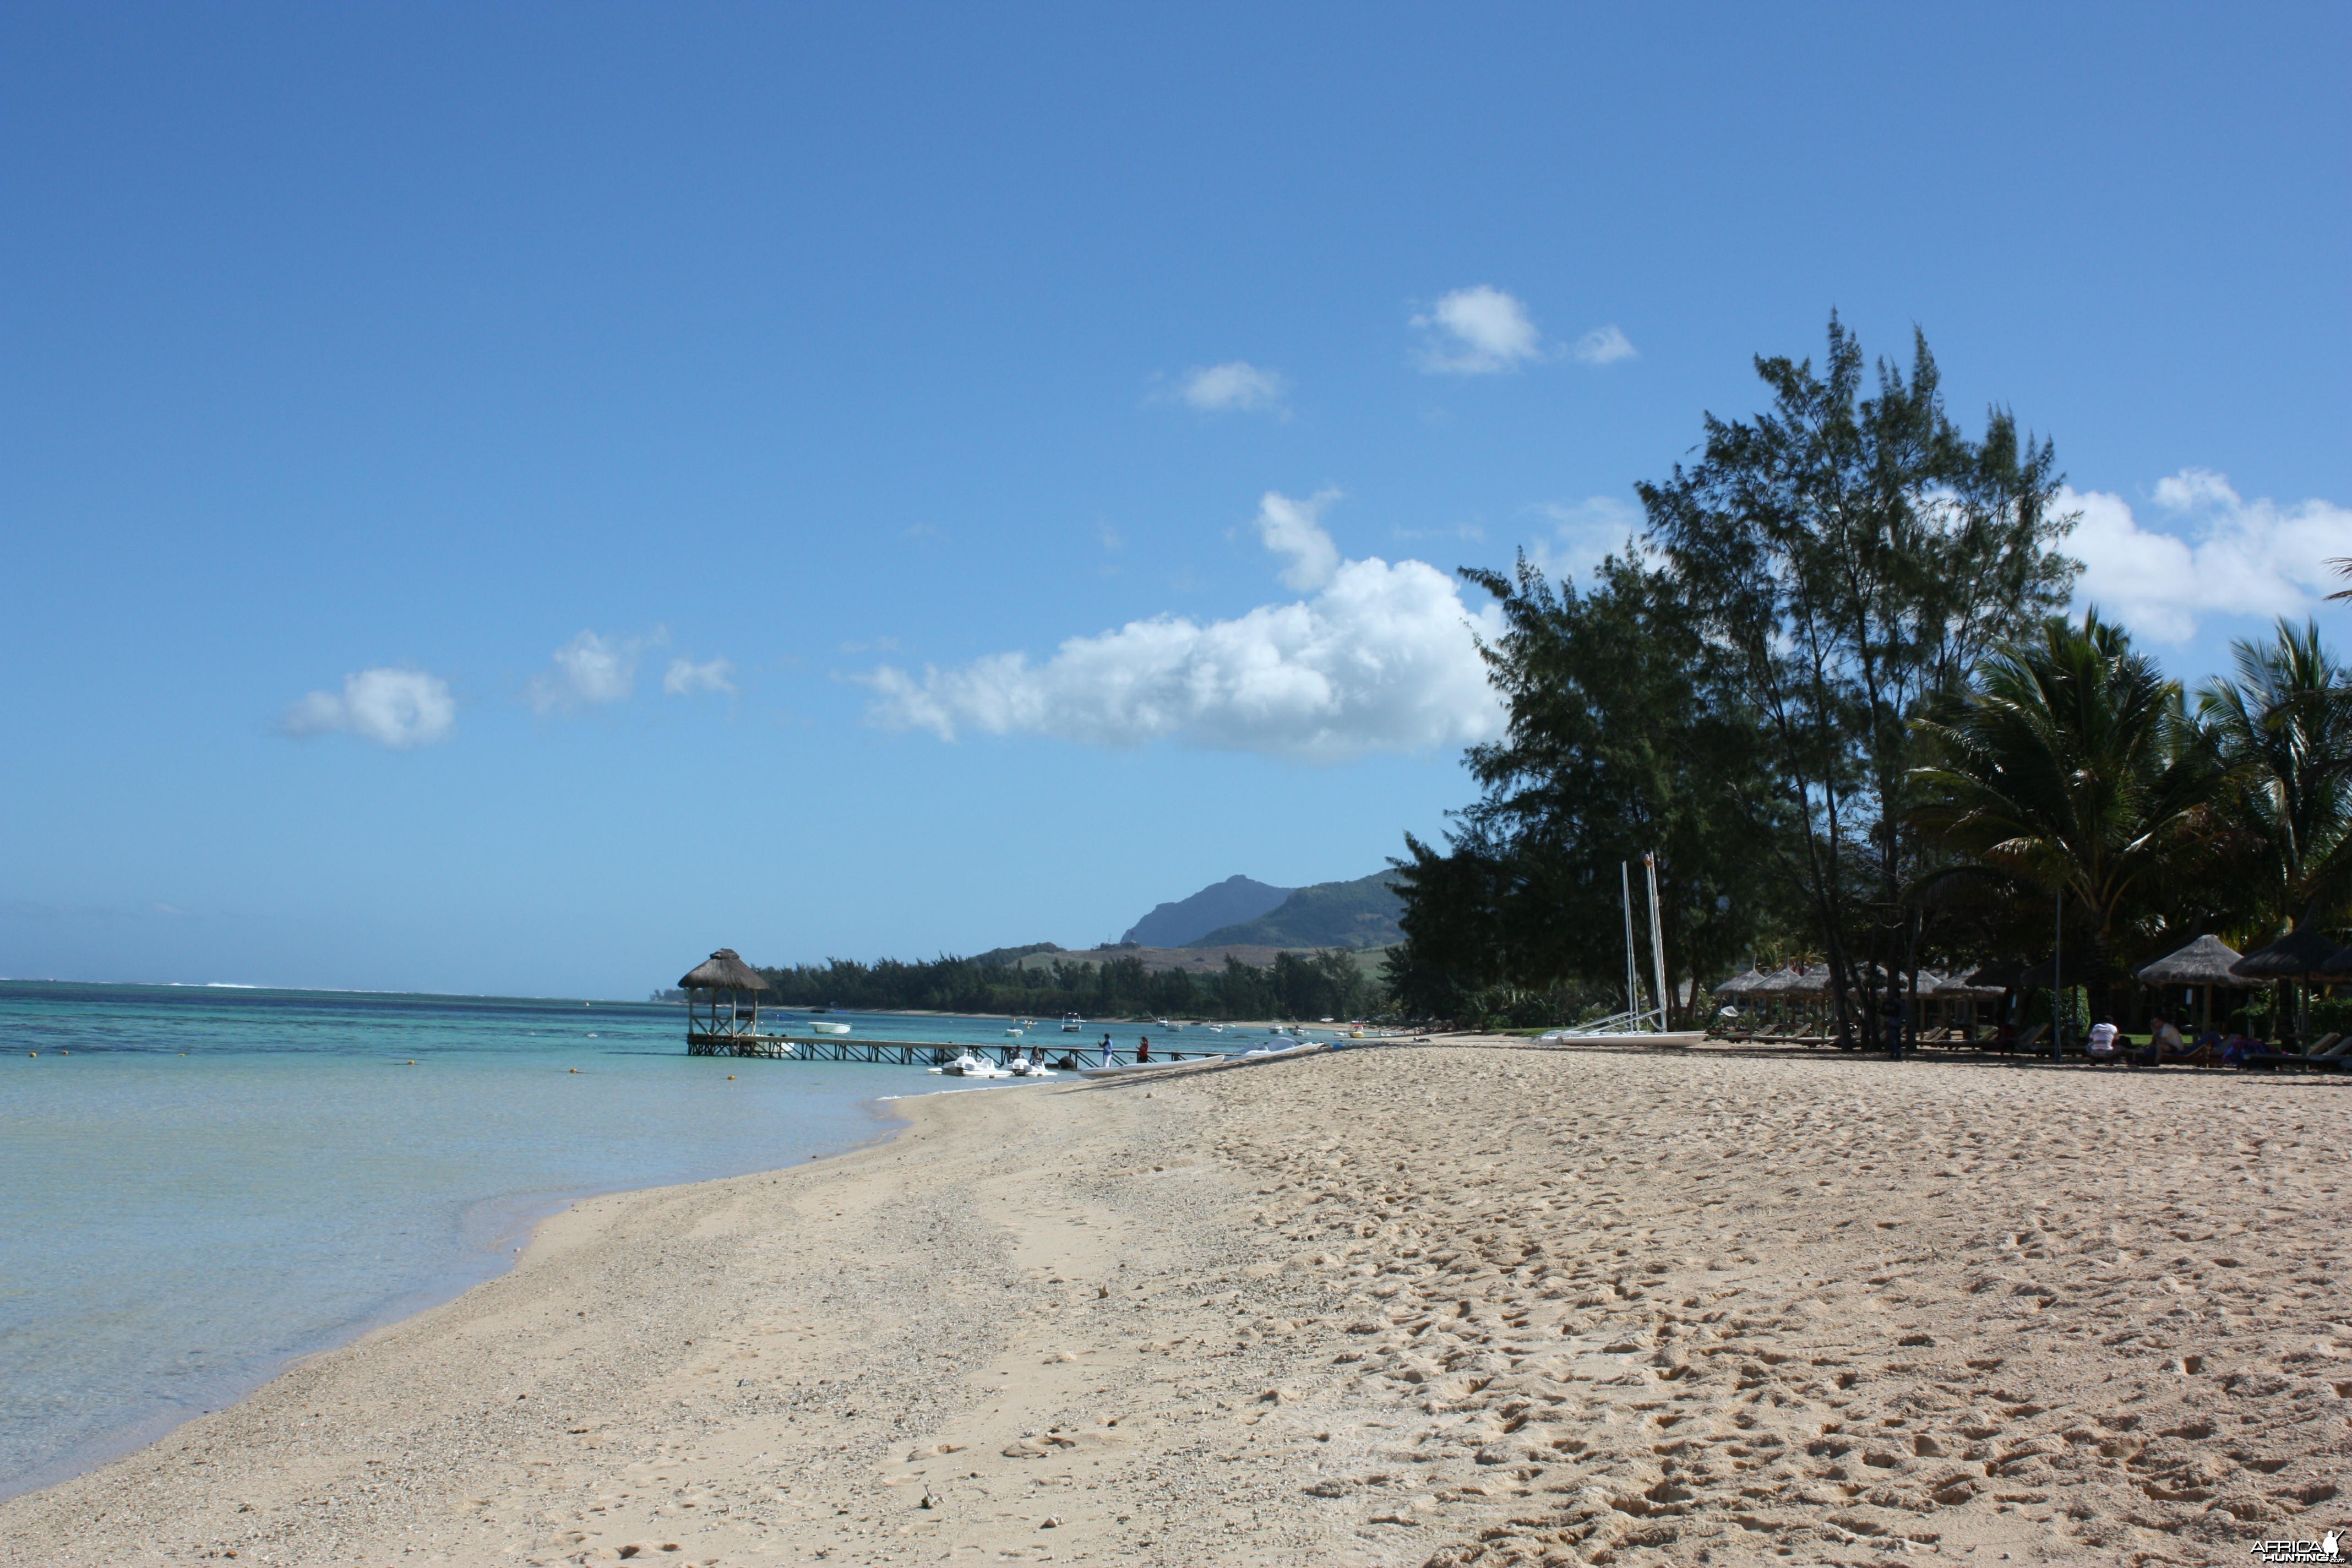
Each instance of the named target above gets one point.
<point>2025,1042</point>
<point>2329,1053</point>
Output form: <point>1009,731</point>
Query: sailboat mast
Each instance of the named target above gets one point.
<point>1657,937</point>
<point>1632,980</point>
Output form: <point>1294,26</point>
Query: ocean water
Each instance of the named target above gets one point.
<point>201,1184</point>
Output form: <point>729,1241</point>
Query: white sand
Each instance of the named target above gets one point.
<point>1400,1305</point>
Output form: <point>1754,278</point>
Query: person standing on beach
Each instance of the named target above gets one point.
<point>1143,1049</point>
<point>1890,1010</point>
<point>1107,1050</point>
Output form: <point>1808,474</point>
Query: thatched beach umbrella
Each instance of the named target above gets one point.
<point>2300,954</point>
<point>723,971</point>
<point>1740,985</point>
<point>2206,963</point>
<point>2336,968</point>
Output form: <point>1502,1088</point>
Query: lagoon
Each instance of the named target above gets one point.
<point>203,1183</point>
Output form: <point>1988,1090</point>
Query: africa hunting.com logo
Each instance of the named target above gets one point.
<point>2329,1548</point>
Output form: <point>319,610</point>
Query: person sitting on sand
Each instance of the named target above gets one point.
<point>2101,1047</point>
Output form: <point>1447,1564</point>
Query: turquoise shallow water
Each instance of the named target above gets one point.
<point>177,1226</point>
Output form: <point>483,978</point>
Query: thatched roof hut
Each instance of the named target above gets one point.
<point>1996,977</point>
<point>723,971</point>
<point>2336,968</point>
<point>1740,985</point>
<point>1953,987</point>
<point>2298,955</point>
<point>1805,984</point>
<point>2205,962</point>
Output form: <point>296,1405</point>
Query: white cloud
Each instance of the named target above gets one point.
<point>2222,555</point>
<point>1382,659</point>
<point>1605,345</point>
<point>1477,331</point>
<point>684,677</point>
<point>1583,533</point>
<point>400,709</point>
<point>1234,386</point>
<point>1292,527</point>
<point>589,671</point>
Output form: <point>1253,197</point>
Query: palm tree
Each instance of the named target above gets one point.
<point>2284,724</point>
<point>2071,769</point>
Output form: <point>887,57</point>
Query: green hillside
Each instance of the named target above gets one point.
<point>1362,914</point>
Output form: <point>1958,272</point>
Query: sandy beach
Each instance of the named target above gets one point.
<point>1450,1304</point>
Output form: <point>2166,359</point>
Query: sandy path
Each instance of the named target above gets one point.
<point>1387,1306</point>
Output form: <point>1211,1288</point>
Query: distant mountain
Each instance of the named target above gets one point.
<point>1362,914</point>
<point>1221,904</point>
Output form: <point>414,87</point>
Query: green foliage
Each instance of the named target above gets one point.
<point>2073,767</point>
<point>1851,559</point>
<point>2331,1015</point>
<point>1737,692</point>
<point>2285,727</point>
<point>2037,1009</point>
<point>1295,985</point>
<point>1617,745</point>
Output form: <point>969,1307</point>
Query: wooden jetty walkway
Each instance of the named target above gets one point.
<point>722,1019</point>
<point>916,1053</point>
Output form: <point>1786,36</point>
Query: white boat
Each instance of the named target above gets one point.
<point>1013,1032</point>
<point>1161,1024</point>
<point>970,1066</point>
<point>1029,1067</point>
<point>1072,1022</point>
<point>824,1026</point>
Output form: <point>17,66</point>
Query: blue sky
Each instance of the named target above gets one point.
<point>511,497</point>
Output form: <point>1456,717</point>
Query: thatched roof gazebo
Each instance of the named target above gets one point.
<point>2204,964</point>
<point>708,1019</point>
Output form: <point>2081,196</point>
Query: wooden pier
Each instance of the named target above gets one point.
<point>913,1053</point>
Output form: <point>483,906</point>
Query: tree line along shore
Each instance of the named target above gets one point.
<point>1832,683</point>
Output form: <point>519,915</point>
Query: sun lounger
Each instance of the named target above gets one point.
<point>2329,1053</point>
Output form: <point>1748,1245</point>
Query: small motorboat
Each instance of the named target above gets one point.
<point>1013,1032</point>
<point>826,1026</point>
<point>1072,1022</point>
